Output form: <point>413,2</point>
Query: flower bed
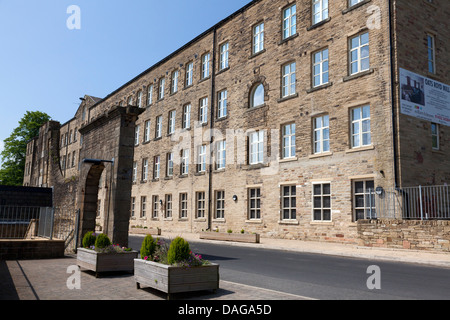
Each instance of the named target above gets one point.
<point>174,269</point>
<point>236,237</point>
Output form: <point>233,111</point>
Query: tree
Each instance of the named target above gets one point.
<point>15,149</point>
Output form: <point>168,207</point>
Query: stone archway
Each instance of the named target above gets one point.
<point>89,201</point>
<point>108,146</point>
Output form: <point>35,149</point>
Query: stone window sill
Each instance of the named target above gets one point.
<point>318,24</point>
<point>323,86</point>
<point>358,75</point>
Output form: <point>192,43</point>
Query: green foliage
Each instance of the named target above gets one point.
<point>148,247</point>
<point>89,240</point>
<point>102,241</point>
<point>14,153</point>
<point>230,231</point>
<point>178,251</point>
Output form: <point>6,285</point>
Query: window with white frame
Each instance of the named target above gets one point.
<point>205,65</point>
<point>320,68</point>
<point>254,203</point>
<point>133,207</point>
<point>203,111</point>
<point>135,165</point>
<point>130,101</point>
<point>321,135</point>
<point>189,74</point>
<point>220,205</point>
<point>139,99</point>
<point>288,141</point>
<point>187,116</point>
<point>184,161</point>
<point>150,95</point>
<point>257,95</point>
<point>158,128</point>
<point>258,38</point>
<point>289,21</point>
<point>143,206</point>
<point>256,147</point>
<point>172,118</point>
<point>322,202</point>
<point>162,85</point>
<point>359,53</point>
<point>145,170</point>
<point>223,63</point>
<point>156,167</point>
<point>289,80</point>
<point>169,170</point>
<point>136,135</point>
<point>147,131</point>
<point>169,206</point>
<point>200,204</point>
<point>222,105</point>
<point>288,202</point>
<point>183,205</point>
<point>221,151</point>
<point>364,200</point>
<point>319,10</point>
<point>174,86</point>
<point>155,207</point>
<point>431,53</point>
<point>435,136</point>
<point>353,2</point>
<point>360,127</point>
<point>201,162</point>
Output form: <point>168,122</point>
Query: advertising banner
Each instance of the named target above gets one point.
<point>424,98</point>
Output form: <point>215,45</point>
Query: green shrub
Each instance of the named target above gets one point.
<point>89,240</point>
<point>102,241</point>
<point>178,251</point>
<point>148,247</point>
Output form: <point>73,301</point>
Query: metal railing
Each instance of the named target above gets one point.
<point>18,222</point>
<point>39,222</point>
<point>413,203</point>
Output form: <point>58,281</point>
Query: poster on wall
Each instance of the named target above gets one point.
<point>424,98</point>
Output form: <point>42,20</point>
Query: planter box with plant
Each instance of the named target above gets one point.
<point>174,269</point>
<point>230,236</point>
<point>99,255</point>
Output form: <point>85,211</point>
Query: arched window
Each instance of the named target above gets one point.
<point>257,96</point>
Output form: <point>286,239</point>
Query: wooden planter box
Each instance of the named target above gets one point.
<point>237,237</point>
<point>171,279</point>
<point>151,231</point>
<point>106,262</point>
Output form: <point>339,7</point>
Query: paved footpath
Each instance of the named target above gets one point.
<point>47,279</point>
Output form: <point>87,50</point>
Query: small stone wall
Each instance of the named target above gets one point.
<point>31,249</point>
<point>405,234</point>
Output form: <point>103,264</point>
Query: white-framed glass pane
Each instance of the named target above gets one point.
<point>257,98</point>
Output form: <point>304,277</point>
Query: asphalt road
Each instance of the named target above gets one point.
<point>322,276</point>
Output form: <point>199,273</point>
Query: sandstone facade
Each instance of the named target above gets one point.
<point>303,194</point>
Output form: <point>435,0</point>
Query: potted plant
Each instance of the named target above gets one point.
<point>175,268</point>
<point>99,255</point>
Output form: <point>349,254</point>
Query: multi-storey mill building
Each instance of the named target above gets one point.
<point>280,119</point>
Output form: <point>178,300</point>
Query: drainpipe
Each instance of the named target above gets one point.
<point>394,126</point>
<point>211,126</point>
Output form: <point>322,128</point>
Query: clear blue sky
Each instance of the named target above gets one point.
<point>45,66</point>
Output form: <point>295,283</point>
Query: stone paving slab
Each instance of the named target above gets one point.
<point>47,280</point>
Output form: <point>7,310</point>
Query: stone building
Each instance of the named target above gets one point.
<point>280,120</point>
